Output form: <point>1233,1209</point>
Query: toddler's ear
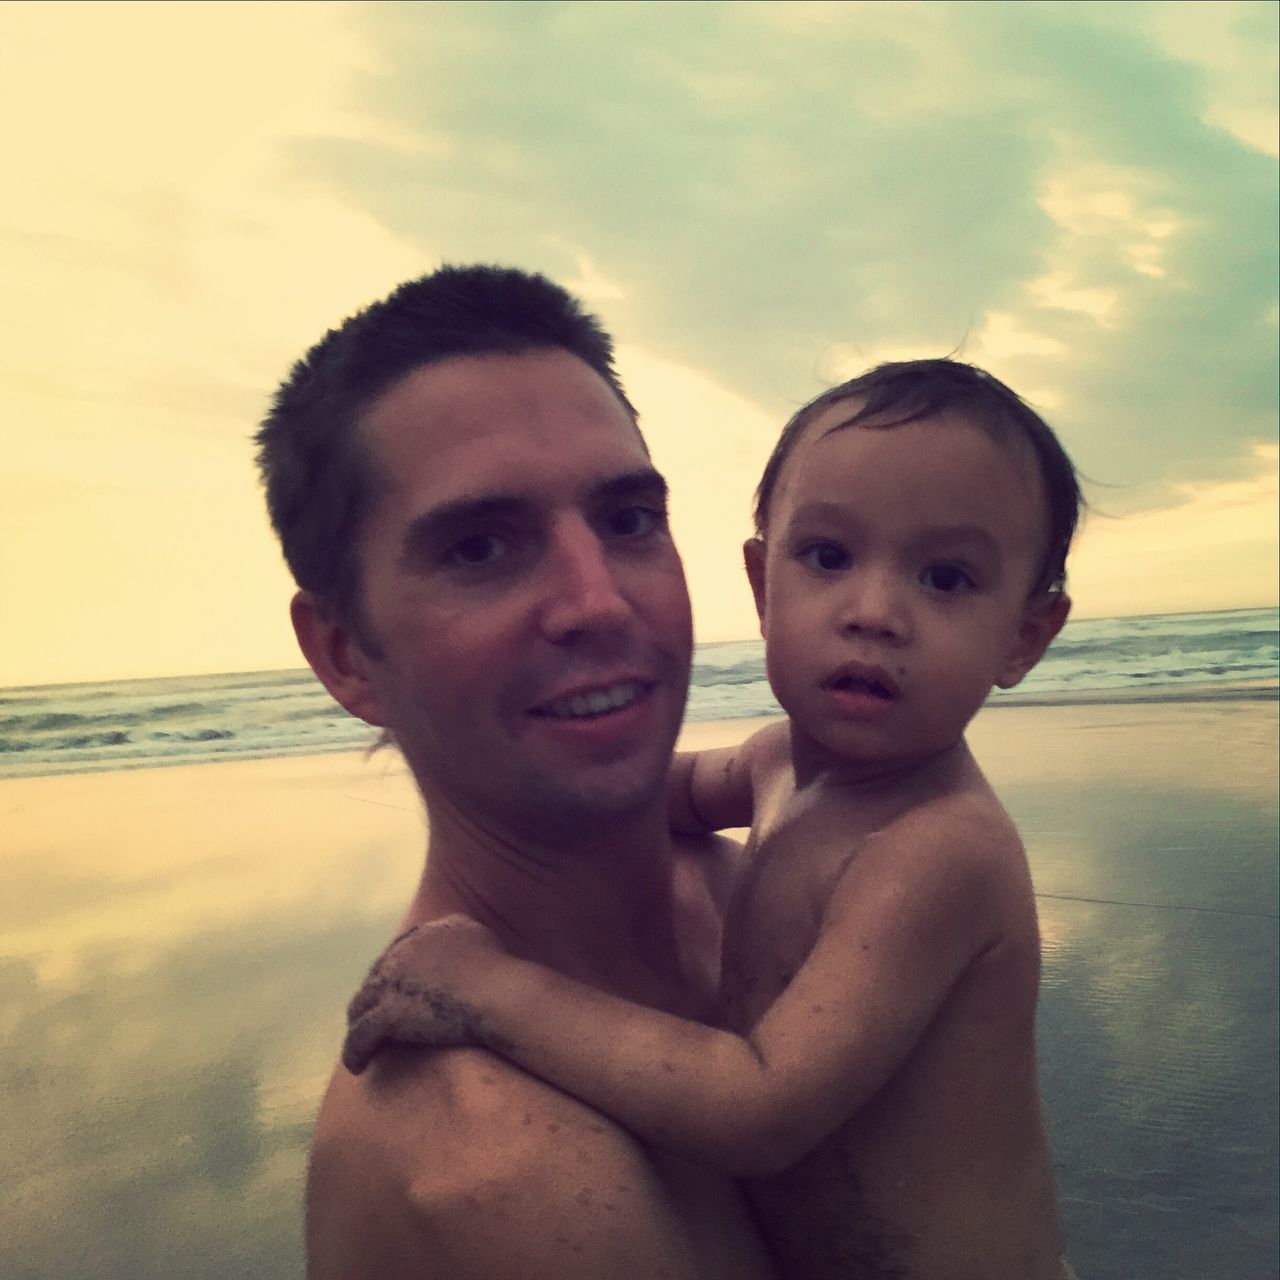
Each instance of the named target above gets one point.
<point>753,557</point>
<point>1041,621</point>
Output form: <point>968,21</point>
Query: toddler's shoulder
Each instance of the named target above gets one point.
<point>974,818</point>
<point>962,843</point>
<point>964,817</point>
<point>768,750</point>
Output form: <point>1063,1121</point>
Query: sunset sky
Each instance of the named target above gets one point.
<point>760,199</point>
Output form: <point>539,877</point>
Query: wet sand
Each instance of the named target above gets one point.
<point>176,946</point>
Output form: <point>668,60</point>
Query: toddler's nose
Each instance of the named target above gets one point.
<point>876,607</point>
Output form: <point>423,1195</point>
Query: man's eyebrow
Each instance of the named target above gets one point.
<point>450,518</point>
<point>644,481</point>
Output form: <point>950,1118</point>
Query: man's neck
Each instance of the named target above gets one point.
<point>599,907</point>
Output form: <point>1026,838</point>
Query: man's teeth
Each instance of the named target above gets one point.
<point>595,703</point>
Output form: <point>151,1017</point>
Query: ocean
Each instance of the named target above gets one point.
<point>133,724</point>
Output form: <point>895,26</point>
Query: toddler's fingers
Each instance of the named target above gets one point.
<point>365,999</point>
<point>365,1037</point>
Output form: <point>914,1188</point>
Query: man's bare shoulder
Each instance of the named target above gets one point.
<point>455,1164</point>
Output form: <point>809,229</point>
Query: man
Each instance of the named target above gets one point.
<point>485,572</point>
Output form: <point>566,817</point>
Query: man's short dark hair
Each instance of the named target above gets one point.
<point>316,468</point>
<point>905,391</point>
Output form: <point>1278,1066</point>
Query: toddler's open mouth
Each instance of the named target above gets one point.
<point>858,678</point>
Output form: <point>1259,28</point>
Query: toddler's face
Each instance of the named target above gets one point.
<point>894,582</point>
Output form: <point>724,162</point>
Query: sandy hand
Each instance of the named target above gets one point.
<point>408,995</point>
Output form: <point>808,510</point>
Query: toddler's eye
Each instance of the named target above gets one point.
<point>948,578</point>
<point>827,556</point>
<point>478,549</point>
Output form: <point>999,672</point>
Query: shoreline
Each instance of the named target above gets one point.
<point>719,731</point>
<point>1234,691</point>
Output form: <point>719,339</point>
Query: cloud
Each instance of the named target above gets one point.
<point>1213,548</point>
<point>1236,52</point>
<point>162,268</point>
<point>173,247</point>
<point>762,185</point>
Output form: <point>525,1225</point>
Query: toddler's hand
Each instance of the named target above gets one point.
<point>408,995</point>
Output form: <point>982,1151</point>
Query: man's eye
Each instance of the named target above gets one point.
<point>827,556</point>
<point>635,522</point>
<point>479,549</point>
<point>948,578</point>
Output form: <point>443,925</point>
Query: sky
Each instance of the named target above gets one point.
<point>759,199</point>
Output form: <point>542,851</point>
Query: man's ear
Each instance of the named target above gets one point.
<point>1041,621</point>
<point>753,557</point>
<point>335,655</point>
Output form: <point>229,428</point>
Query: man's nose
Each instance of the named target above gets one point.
<point>875,604</point>
<point>582,594</point>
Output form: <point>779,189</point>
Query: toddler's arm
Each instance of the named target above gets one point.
<point>712,790</point>
<point>897,933</point>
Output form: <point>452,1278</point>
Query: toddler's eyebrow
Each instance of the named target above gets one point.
<point>974,534</point>
<point>961,533</point>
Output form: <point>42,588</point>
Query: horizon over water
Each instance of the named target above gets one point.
<point>148,722</point>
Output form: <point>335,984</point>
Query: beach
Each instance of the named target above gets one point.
<point>178,944</point>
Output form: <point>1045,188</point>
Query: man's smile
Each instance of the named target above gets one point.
<point>592,702</point>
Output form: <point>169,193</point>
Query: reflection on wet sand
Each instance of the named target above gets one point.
<point>176,944</point>
<point>176,947</point>
<point>1154,855</point>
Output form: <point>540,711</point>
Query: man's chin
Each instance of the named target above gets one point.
<point>602,793</point>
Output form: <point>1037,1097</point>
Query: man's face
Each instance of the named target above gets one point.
<point>527,605</point>
<point>895,582</point>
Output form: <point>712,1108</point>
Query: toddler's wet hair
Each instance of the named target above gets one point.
<point>905,391</point>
